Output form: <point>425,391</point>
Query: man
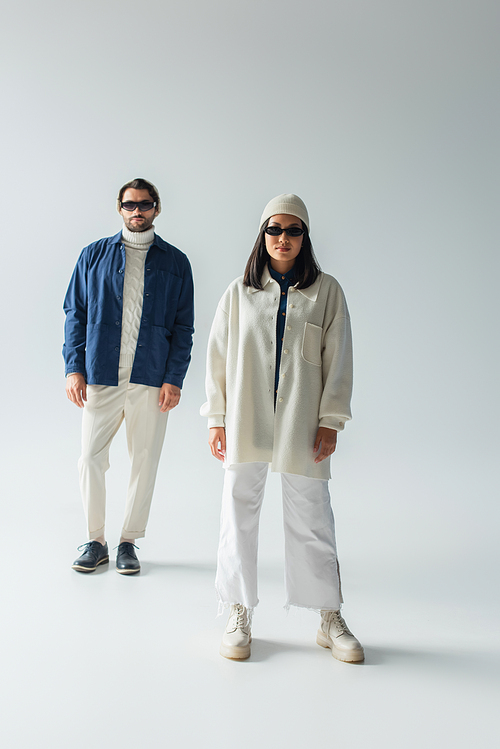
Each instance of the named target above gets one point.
<point>128,338</point>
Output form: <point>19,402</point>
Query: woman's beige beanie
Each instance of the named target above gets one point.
<point>289,204</point>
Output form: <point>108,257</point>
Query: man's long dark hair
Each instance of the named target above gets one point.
<point>306,266</point>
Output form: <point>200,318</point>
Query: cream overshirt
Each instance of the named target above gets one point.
<point>315,373</point>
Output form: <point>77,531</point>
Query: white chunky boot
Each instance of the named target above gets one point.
<point>237,637</point>
<point>336,635</point>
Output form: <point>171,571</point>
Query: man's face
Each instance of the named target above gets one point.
<point>138,219</point>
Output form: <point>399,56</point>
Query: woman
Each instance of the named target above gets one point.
<point>279,380</point>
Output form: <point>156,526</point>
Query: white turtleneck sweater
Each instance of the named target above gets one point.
<point>136,245</point>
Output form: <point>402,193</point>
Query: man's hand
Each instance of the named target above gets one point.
<point>76,389</point>
<point>217,442</point>
<point>327,438</point>
<point>170,396</point>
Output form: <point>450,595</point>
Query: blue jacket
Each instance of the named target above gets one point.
<point>94,305</point>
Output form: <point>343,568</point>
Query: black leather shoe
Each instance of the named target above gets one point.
<point>126,559</point>
<point>94,555</point>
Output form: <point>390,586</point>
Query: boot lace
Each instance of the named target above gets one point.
<point>239,614</point>
<point>334,618</point>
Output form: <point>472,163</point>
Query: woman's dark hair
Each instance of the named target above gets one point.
<point>306,266</point>
<point>140,184</point>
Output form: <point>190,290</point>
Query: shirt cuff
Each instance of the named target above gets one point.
<point>216,421</point>
<point>332,422</point>
<point>173,380</point>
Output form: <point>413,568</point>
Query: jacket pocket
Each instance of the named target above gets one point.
<point>311,344</point>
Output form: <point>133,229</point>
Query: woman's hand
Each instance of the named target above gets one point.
<point>217,442</point>
<point>327,438</point>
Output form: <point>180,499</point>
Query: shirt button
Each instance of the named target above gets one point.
<point>121,270</point>
<point>281,400</point>
<point>283,278</point>
<point>117,322</point>
<point>148,269</point>
<point>284,314</point>
<point>282,293</point>
<point>116,348</point>
<point>288,327</point>
<point>291,306</point>
<point>285,351</point>
<point>147,294</point>
<point>118,296</point>
<point>284,374</point>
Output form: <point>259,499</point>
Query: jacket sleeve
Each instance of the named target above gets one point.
<point>215,382</point>
<point>75,328</point>
<point>182,334</point>
<point>335,408</point>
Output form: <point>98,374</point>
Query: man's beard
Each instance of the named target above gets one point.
<point>138,227</point>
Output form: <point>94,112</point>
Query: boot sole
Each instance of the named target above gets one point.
<point>80,568</point>
<point>234,653</point>
<point>128,572</point>
<point>354,656</point>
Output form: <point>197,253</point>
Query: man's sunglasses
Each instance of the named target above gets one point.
<point>143,205</point>
<point>276,231</point>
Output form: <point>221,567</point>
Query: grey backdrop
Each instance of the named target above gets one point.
<point>383,116</point>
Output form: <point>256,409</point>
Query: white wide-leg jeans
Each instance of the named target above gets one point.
<point>311,569</point>
<point>104,411</point>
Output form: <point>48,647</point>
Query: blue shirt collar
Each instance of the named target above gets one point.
<point>288,276</point>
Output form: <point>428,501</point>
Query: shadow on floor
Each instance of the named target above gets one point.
<point>480,664</point>
<point>263,650</point>
<point>169,567</point>
<point>474,665</point>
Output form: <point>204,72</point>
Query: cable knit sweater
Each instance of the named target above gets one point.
<point>136,245</point>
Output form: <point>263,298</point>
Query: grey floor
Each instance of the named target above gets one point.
<point>106,660</point>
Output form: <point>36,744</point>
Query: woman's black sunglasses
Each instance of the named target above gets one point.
<point>276,231</point>
<point>143,205</point>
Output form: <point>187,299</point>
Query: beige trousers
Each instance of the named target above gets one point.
<point>104,411</point>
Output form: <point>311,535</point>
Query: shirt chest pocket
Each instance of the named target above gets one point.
<point>311,344</point>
